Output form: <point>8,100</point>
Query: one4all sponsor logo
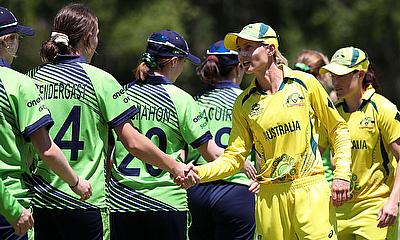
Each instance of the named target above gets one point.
<point>36,102</point>
<point>120,93</point>
<point>295,99</point>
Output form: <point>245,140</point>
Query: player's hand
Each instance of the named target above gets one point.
<point>189,179</point>
<point>83,189</point>
<point>24,222</point>
<point>340,191</point>
<point>254,186</point>
<point>250,170</point>
<point>181,170</point>
<point>388,213</point>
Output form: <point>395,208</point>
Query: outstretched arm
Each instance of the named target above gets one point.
<point>141,147</point>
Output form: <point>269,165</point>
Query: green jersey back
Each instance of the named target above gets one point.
<point>170,118</point>
<point>85,102</point>
<point>216,106</point>
<point>21,113</point>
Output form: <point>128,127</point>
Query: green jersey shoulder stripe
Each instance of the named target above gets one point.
<point>170,118</point>
<point>53,83</point>
<point>158,109</point>
<point>85,102</point>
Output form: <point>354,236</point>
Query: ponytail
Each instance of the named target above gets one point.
<point>371,79</point>
<point>149,64</point>
<point>211,71</point>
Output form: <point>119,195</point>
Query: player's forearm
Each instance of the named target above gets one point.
<point>395,194</point>
<point>210,151</point>
<point>51,154</point>
<point>342,149</point>
<point>226,165</point>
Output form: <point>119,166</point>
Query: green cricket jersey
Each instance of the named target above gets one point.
<point>9,206</point>
<point>216,106</point>
<point>170,118</point>
<point>22,112</point>
<point>85,102</point>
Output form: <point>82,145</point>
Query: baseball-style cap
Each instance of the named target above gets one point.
<point>225,56</point>
<point>168,43</point>
<point>9,24</point>
<point>346,60</point>
<point>257,32</point>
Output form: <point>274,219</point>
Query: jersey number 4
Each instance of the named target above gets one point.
<point>74,119</point>
<point>162,139</point>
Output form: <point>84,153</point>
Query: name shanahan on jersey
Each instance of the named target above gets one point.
<point>373,127</point>
<point>216,106</point>
<point>170,118</point>
<point>85,103</point>
<point>22,112</point>
<point>281,125</point>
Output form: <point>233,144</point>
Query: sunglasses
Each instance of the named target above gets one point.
<point>160,39</point>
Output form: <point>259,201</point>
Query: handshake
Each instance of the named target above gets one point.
<point>185,175</point>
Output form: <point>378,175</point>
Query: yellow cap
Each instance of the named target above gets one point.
<point>257,32</point>
<point>346,60</point>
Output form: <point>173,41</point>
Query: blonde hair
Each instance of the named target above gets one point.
<point>280,59</point>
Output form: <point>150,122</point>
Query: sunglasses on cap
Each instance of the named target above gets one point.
<point>160,39</point>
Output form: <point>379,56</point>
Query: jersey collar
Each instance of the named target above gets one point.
<point>287,74</point>
<point>226,84</point>
<point>366,97</point>
<point>4,63</point>
<point>155,80</point>
<point>70,59</point>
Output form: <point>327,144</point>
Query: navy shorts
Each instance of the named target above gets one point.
<point>221,210</point>
<point>167,225</point>
<point>7,231</point>
<point>55,224</point>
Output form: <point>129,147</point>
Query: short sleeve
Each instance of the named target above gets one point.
<point>30,110</point>
<point>113,100</point>
<point>192,122</point>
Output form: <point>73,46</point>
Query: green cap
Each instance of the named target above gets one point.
<point>346,60</point>
<point>257,32</point>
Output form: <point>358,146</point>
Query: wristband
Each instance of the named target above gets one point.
<point>76,184</point>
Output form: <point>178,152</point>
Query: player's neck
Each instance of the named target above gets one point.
<point>271,79</point>
<point>353,101</point>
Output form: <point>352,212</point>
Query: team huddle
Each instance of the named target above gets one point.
<point>308,152</point>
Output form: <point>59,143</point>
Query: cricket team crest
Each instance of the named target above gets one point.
<point>367,123</point>
<point>295,99</point>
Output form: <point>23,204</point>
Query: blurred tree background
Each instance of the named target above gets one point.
<point>324,25</point>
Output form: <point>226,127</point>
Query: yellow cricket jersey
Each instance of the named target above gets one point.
<point>373,127</point>
<point>281,126</point>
